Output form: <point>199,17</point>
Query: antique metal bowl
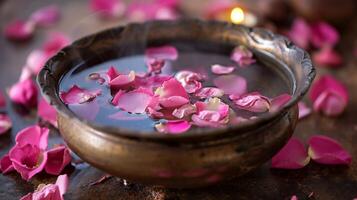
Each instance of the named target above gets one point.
<point>198,157</point>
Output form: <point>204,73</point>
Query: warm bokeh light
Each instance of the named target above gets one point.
<point>237,15</point>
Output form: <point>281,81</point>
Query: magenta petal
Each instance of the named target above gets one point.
<point>24,93</point>
<point>220,69</point>
<point>77,95</point>
<point>47,112</point>
<point>34,135</point>
<point>46,16</point>
<point>19,30</point>
<point>168,3</point>
<point>126,116</point>
<point>304,111</point>
<point>323,34</point>
<point>62,183</point>
<point>208,92</point>
<point>292,156</point>
<point>2,100</point>
<point>142,11</point>
<point>300,33</point>
<point>5,123</point>
<point>173,127</point>
<point>123,80</point>
<point>325,150</point>
<point>170,88</point>
<point>162,52</point>
<point>253,102</point>
<point>55,42</point>
<point>108,9</point>
<point>155,65</point>
<point>135,101</point>
<point>279,101</point>
<point>6,164</point>
<point>231,84</point>
<point>327,57</point>
<point>57,159</point>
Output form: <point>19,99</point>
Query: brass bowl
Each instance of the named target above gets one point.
<point>196,158</point>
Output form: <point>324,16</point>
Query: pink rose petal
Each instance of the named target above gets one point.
<point>294,198</point>
<point>254,102</point>
<point>36,61</point>
<point>126,117</point>
<point>57,159</point>
<point>6,164</point>
<point>77,95</point>
<point>19,30</point>
<point>231,84</point>
<point>5,123</point>
<point>26,73</point>
<point>163,52</point>
<point>62,183</point>
<point>34,135</point>
<point>327,56</point>
<point>292,156</point>
<point>47,112</point>
<point>325,150</point>
<point>120,81</point>
<point>46,16</point>
<point>135,101</point>
<point>184,111</point>
<point>300,33</point>
<point>24,93</point>
<point>143,11</point>
<point>189,80</point>
<point>329,96</point>
<point>171,88</point>
<point>279,101</point>
<point>220,69</point>
<point>173,127</point>
<point>155,65</point>
<point>208,92</point>
<point>55,42</point>
<point>213,113</point>
<point>2,100</point>
<point>108,9</point>
<point>243,56</point>
<point>323,34</point>
<point>304,111</point>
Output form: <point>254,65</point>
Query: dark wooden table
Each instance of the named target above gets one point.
<point>312,182</point>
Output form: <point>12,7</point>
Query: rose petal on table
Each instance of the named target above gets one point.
<point>62,183</point>
<point>166,52</point>
<point>5,123</point>
<point>2,100</point>
<point>328,57</point>
<point>55,42</point>
<point>143,11</point>
<point>323,34</point>
<point>325,150</point>
<point>36,61</point>
<point>304,110</point>
<point>208,92</point>
<point>253,102</point>
<point>220,69</point>
<point>135,101</point>
<point>26,73</point>
<point>47,112</point>
<point>279,101</point>
<point>231,84</point>
<point>292,156</point>
<point>294,198</point>
<point>173,126</point>
<point>46,16</point>
<point>77,95</point>
<point>243,56</point>
<point>6,164</point>
<point>19,30</point>
<point>57,159</point>
<point>24,93</point>
<point>108,9</point>
<point>300,33</point>
<point>34,135</point>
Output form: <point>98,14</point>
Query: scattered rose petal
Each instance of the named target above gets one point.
<point>101,179</point>
<point>325,150</point>
<point>231,84</point>
<point>294,198</point>
<point>108,9</point>
<point>47,112</point>
<point>77,95</point>
<point>243,56</point>
<point>329,96</point>
<point>34,135</point>
<point>171,94</point>
<point>36,60</point>
<point>300,33</point>
<point>279,101</point>
<point>173,127</point>
<point>189,80</point>
<point>143,11</point>
<point>304,111</point>
<point>46,16</point>
<point>24,93</point>
<point>135,101</point>
<point>208,92</point>
<point>253,102</point>
<point>26,73</point>
<point>2,100</point>
<point>213,113</point>
<point>163,52</point>
<point>57,159</point>
<point>5,123</point>
<point>19,30</point>
<point>6,164</point>
<point>155,65</point>
<point>323,34</point>
<point>55,42</point>
<point>292,156</point>
<point>184,111</point>
<point>327,56</point>
<point>220,69</point>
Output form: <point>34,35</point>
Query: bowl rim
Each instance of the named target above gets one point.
<point>49,90</point>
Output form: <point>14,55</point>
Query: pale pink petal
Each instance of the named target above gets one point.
<point>46,16</point>
<point>36,61</point>
<point>62,183</point>
<point>55,42</point>
<point>57,159</point>
<point>108,9</point>
<point>173,127</point>
<point>47,112</point>
<point>26,73</point>
<point>220,69</point>
<point>292,156</point>
<point>323,34</point>
<point>294,198</point>
<point>143,11</point>
<point>300,33</point>
<point>208,92</point>
<point>279,101</point>
<point>49,191</point>
<point>163,52</point>
<point>213,113</point>
<point>165,13</point>
<point>24,93</point>
<point>120,81</point>
<point>173,101</point>
<point>155,65</point>
<point>189,80</point>
<point>184,111</point>
<point>254,102</point>
<point>135,101</point>
<point>87,110</point>
<point>328,57</point>
<point>325,150</point>
<point>77,95</point>
<point>2,100</point>
<point>304,110</point>
<point>19,30</point>
<point>5,123</point>
<point>243,56</point>
<point>6,164</point>
<point>126,117</point>
<point>34,135</point>
<point>231,84</point>
<point>171,87</point>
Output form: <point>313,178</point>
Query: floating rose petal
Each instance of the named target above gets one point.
<point>168,3</point>
<point>155,65</point>
<point>126,117</point>
<point>279,101</point>
<point>163,52</point>
<point>323,34</point>
<point>34,135</point>
<point>151,82</point>
<point>326,56</point>
<point>242,55</point>
<point>6,164</point>
<point>57,159</point>
<point>19,30</point>
<point>300,33</point>
<point>254,102</point>
<point>209,92</point>
<point>46,16</point>
<point>184,111</point>
<point>329,96</point>
<point>173,127</point>
<point>189,80</point>
<point>170,91</point>
<point>47,112</point>
<point>325,150</point>
<point>77,95</point>
<point>213,113</point>
<point>24,93</point>
<point>135,101</point>
<point>220,69</point>
<point>5,123</point>
<point>120,81</point>
<point>292,156</point>
<point>2,100</point>
<point>304,111</point>
<point>231,84</point>
<point>108,9</point>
